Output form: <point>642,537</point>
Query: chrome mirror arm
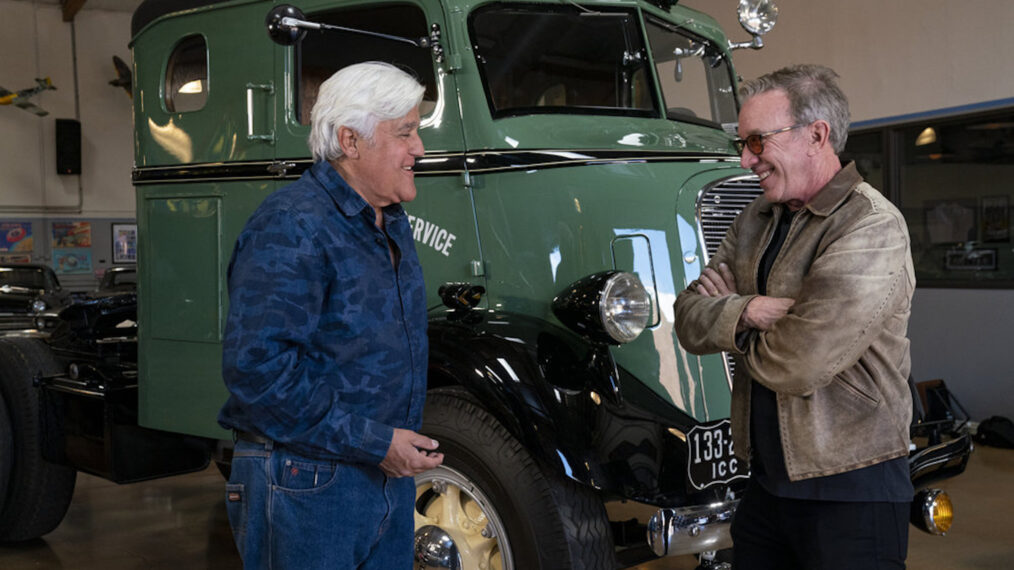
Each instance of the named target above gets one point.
<point>286,26</point>
<point>755,43</point>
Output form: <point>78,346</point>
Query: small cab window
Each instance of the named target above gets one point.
<point>186,76</point>
<point>695,77</point>
<point>321,54</point>
<point>561,59</point>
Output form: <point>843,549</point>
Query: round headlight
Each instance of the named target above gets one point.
<point>932,511</point>
<point>625,307</point>
<point>757,16</point>
<point>38,305</point>
<point>611,307</point>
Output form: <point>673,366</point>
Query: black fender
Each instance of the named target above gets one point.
<point>565,399</point>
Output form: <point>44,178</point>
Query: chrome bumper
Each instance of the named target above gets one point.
<point>688,530</point>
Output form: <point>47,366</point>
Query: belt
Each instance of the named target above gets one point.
<point>239,435</point>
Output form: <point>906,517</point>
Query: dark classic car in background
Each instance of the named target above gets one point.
<point>30,299</point>
<point>118,279</point>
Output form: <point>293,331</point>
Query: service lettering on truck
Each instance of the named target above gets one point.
<point>432,235</point>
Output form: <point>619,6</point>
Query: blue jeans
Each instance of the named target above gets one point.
<point>290,511</point>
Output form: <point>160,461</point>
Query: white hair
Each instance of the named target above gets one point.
<point>358,97</point>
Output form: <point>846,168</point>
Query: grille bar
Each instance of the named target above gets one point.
<point>717,206</point>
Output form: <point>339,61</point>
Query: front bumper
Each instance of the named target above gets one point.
<point>689,530</point>
<point>940,461</point>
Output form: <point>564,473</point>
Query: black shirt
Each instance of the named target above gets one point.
<point>886,481</point>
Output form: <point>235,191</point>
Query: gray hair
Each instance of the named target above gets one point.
<point>359,97</point>
<point>813,94</point>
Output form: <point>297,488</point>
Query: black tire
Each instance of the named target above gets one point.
<point>38,492</point>
<point>549,522</point>
<point>6,444</point>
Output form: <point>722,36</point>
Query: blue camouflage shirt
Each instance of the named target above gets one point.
<point>325,348</point>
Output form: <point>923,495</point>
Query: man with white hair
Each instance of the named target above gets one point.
<point>325,350</point>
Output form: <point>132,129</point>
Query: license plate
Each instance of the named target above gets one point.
<point>711,461</point>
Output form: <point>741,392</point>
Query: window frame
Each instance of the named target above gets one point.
<point>168,93</point>
<point>638,27</point>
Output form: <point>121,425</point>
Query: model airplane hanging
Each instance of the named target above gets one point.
<point>122,76</point>
<point>21,98</point>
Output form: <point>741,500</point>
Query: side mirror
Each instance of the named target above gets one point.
<point>286,26</point>
<point>281,27</point>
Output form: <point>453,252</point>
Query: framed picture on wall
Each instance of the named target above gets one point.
<point>124,243</point>
<point>952,220</point>
<point>995,218</point>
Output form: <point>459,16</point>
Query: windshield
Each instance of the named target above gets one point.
<point>696,78</point>
<point>561,59</point>
<point>22,277</point>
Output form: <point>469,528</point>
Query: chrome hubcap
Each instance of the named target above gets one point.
<point>456,525</point>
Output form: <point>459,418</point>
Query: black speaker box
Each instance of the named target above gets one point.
<point>68,146</point>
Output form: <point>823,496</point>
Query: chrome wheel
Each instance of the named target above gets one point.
<point>456,525</point>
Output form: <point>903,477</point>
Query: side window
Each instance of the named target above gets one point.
<point>695,77</point>
<point>540,59</point>
<point>320,55</point>
<point>186,76</point>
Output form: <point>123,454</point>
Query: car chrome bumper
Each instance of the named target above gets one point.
<point>688,530</point>
<point>940,461</point>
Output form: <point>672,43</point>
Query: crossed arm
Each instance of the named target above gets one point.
<point>760,313</point>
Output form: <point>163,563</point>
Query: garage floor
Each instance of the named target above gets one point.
<point>181,523</point>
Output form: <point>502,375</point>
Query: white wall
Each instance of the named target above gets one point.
<point>894,56</point>
<point>35,42</point>
<point>965,337</point>
<point>897,57</point>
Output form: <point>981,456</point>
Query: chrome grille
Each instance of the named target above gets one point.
<point>717,206</point>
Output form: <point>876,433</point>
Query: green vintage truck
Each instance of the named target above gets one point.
<point>578,172</point>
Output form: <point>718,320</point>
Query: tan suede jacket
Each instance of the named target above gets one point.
<point>839,361</point>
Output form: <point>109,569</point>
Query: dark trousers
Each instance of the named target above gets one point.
<point>771,532</point>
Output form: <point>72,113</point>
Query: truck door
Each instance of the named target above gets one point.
<point>204,135</point>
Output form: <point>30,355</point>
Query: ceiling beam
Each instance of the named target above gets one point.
<point>71,8</point>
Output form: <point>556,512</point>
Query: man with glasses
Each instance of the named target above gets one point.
<point>811,291</point>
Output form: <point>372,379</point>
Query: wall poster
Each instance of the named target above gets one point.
<point>124,243</point>
<point>69,261</point>
<point>72,234</point>
<point>16,237</point>
<point>995,218</point>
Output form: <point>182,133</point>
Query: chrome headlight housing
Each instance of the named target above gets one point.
<point>38,305</point>
<point>611,307</point>
<point>932,511</point>
<point>757,16</point>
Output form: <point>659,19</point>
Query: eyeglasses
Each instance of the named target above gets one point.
<point>755,142</point>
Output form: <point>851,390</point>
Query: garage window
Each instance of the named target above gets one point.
<point>953,179</point>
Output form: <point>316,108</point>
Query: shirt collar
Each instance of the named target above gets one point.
<point>348,201</point>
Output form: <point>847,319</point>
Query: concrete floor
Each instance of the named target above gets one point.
<point>180,523</point>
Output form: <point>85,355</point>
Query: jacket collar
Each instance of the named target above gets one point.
<point>835,191</point>
<point>829,197</point>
